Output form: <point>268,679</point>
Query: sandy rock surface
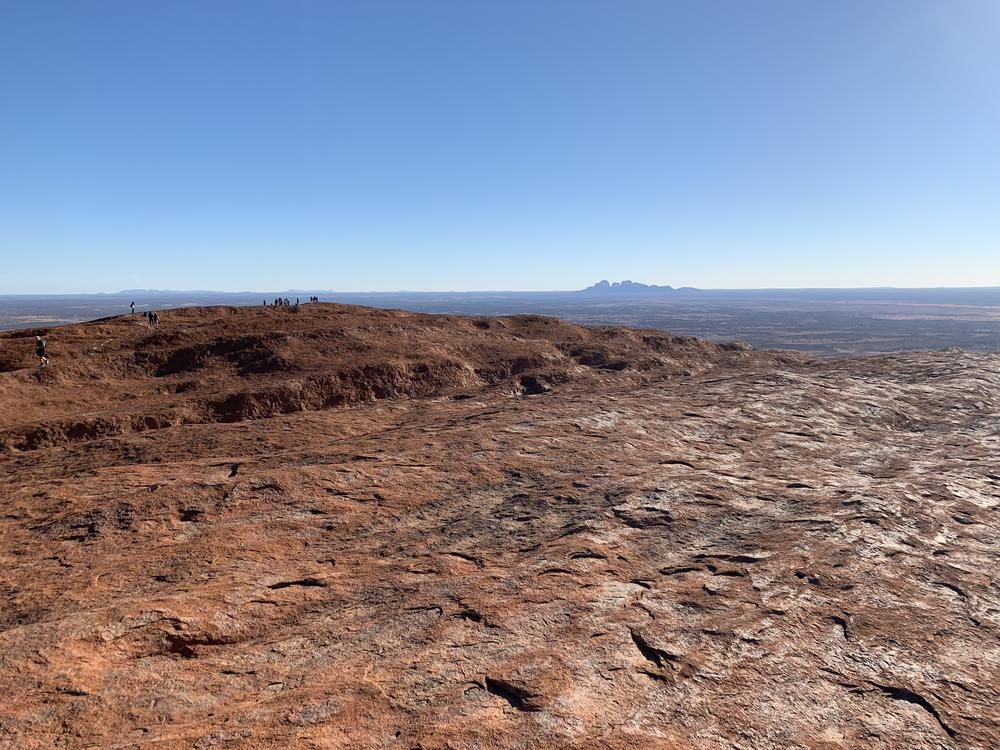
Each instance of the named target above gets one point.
<point>335,527</point>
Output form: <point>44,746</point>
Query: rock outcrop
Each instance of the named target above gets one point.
<point>336,527</point>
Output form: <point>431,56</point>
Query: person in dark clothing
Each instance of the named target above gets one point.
<point>132,306</point>
<point>40,345</point>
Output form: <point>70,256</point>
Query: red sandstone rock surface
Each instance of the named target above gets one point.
<point>334,527</point>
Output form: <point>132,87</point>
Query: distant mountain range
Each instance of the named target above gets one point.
<point>630,287</point>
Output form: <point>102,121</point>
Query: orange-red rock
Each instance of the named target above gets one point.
<point>335,527</point>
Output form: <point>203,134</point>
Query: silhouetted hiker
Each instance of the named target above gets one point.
<point>296,301</point>
<point>265,303</point>
<point>132,305</point>
<point>286,301</point>
<point>40,345</point>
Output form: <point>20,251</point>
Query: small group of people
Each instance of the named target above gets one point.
<point>152,317</point>
<point>41,345</point>
<point>283,302</point>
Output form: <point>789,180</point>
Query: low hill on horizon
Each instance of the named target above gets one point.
<point>629,287</point>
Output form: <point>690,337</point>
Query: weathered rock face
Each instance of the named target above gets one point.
<point>337,527</point>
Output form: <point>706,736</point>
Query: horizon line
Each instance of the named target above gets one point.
<point>652,289</point>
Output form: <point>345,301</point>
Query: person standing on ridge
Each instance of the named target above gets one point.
<point>40,345</point>
<point>132,306</point>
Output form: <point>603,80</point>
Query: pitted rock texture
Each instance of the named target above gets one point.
<point>500,533</point>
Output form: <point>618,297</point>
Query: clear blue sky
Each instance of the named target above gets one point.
<point>515,144</point>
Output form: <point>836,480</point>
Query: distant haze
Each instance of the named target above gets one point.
<point>821,321</point>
